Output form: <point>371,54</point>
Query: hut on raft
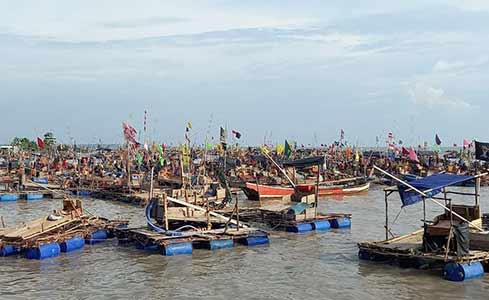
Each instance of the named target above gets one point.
<point>455,242</point>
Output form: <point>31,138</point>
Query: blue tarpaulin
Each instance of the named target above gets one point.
<point>430,185</point>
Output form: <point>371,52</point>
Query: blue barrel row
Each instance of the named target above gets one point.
<point>179,247</point>
<point>320,225</point>
<point>54,249</point>
<point>15,197</point>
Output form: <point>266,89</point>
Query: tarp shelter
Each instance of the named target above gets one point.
<point>430,185</point>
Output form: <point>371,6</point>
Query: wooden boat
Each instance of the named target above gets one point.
<point>259,191</point>
<point>349,188</point>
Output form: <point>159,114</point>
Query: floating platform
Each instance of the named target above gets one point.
<point>291,219</point>
<point>185,242</point>
<point>30,195</point>
<point>406,252</point>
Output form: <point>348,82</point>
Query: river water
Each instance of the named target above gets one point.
<point>294,266</point>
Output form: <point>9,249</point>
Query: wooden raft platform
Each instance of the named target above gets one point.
<point>184,242</point>
<point>407,252</point>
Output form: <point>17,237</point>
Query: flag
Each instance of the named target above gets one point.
<point>236,133</point>
<point>139,159</point>
<point>390,135</point>
<point>404,151</point>
<point>412,155</point>
<point>129,133</point>
<point>222,138</point>
<point>279,149</point>
<point>189,125</point>
<point>159,148</point>
<point>40,143</point>
<point>467,144</point>
<point>482,151</point>
<point>437,140</point>
<point>287,150</point>
<point>342,134</point>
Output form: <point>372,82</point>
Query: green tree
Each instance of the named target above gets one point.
<point>24,144</point>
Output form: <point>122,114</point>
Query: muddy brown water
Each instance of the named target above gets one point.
<point>294,266</point>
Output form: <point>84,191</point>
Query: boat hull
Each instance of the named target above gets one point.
<point>258,191</point>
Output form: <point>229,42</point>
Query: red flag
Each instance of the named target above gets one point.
<point>412,155</point>
<point>405,152</point>
<point>40,143</point>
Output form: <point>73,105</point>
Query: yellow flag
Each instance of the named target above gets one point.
<point>189,125</point>
<point>279,149</point>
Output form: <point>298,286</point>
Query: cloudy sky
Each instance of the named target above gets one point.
<point>300,70</point>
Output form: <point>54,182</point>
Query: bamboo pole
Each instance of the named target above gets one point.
<point>280,169</point>
<point>428,197</point>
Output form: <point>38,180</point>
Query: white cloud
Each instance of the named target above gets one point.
<point>458,66</point>
<point>424,94</point>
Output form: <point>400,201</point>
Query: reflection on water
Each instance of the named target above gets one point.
<point>306,266</point>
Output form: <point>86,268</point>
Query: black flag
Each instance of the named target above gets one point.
<point>437,140</point>
<point>482,151</point>
<point>222,138</point>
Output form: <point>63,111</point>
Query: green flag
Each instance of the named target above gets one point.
<point>139,159</point>
<point>287,150</point>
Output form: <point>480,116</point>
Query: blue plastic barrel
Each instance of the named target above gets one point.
<point>220,244</point>
<point>255,240</point>
<point>43,251</point>
<point>43,180</point>
<point>7,250</point>
<point>341,222</point>
<point>84,193</point>
<point>9,197</point>
<point>177,249</point>
<point>321,225</point>
<point>72,244</point>
<point>303,227</point>
<point>34,196</point>
<point>96,237</point>
<point>461,272</point>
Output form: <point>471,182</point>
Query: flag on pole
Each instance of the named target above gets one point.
<point>342,134</point>
<point>482,151</point>
<point>467,144</point>
<point>222,138</point>
<point>287,150</point>
<point>279,149</point>
<point>236,133</point>
<point>40,143</point>
<point>129,133</point>
<point>437,140</point>
<point>412,155</point>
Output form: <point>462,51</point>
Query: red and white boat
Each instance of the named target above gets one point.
<point>259,191</point>
<point>328,190</point>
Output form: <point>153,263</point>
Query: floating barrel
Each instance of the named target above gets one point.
<point>255,240</point>
<point>9,197</point>
<point>96,237</point>
<point>43,251</point>
<point>220,244</point>
<point>7,250</point>
<point>321,225</point>
<point>341,222</point>
<point>72,244</point>
<point>302,227</point>
<point>84,193</point>
<point>43,180</point>
<point>34,196</point>
<point>177,248</point>
<point>461,272</point>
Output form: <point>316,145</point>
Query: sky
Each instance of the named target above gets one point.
<point>273,70</point>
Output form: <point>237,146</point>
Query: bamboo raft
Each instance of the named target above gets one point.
<point>65,230</point>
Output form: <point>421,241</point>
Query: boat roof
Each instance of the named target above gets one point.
<point>430,185</point>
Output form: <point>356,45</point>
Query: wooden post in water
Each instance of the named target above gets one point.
<point>386,216</point>
<point>316,195</point>
<point>237,213</point>
<point>207,215</point>
<point>165,212</point>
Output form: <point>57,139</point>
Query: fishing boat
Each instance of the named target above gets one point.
<point>339,187</point>
<point>454,241</point>
<point>256,191</point>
